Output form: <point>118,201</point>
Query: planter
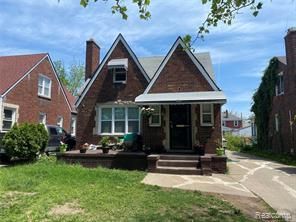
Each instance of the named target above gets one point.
<point>219,164</point>
<point>105,149</point>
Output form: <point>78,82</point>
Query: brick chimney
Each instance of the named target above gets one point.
<point>290,41</point>
<point>92,59</point>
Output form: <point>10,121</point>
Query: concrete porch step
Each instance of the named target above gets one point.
<point>178,157</point>
<point>178,170</point>
<point>178,163</point>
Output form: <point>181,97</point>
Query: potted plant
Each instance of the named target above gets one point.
<point>105,144</point>
<point>220,151</point>
<point>84,147</point>
<point>63,147</point>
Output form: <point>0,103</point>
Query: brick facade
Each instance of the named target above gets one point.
<point>284,106</point>
<point>25,95</point>
<point>104,90</point>
<point>230,124</point>
<point>180,75</point>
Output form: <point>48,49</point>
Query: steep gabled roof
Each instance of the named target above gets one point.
<point>71,98</point>
<point>282,59</point>
<point>102,64</point>
<point>13,68</point>
<point>196,62</point>
<point>151,63</point>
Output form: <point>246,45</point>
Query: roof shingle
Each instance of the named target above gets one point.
<point>13,68</point>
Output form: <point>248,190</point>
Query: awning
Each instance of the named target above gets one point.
<point>118,63</point>
<point>182,98</point>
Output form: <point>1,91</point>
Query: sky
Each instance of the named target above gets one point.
<point>239,52</point>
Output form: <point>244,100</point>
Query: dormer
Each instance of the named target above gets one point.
<point>118,68</point>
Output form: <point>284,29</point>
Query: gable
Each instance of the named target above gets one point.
<point>181,71</point>
<point>28,81</point>
<point>101,82</point>
<point>13,68</point>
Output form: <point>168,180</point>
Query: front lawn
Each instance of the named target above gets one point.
<point>50,191</point>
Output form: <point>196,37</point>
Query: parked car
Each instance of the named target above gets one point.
<point>56,136</point>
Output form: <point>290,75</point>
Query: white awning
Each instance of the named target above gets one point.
<point>118,63</point>
<point>182,98</point>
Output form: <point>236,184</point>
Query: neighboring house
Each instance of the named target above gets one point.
<point>30,91</point>
<point>179,86</point>
<point>282,130</point>
<point>230,122</point>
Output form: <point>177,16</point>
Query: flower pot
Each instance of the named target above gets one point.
<point>105,149</point>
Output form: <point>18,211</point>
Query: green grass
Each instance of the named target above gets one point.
<point>287,159</point>
<point>29,193</point>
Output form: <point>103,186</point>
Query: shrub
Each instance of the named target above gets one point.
<point>235,143</point>
<point>25,141</point>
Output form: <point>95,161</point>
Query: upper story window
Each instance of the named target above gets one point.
<point>44,86</point>
<point>279,88</point>
<point>207,114</point>
<point>235,122</point>
<point>8,118</point>
<point>118,68</point>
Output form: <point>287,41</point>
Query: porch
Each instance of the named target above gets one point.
<point>183,122</point>
<point>189,164</point>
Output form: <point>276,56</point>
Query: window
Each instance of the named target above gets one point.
<point>276,120</point>
<point>206,114</point>
<point>119,75</point>
<point>280,85</point>
<point>223,123</point>
<point>119,120</point>
<point>133,119</point>
<point>73,126</point>
<point>235,122</point>
<point>106,120</point>
<point>44,86</point>
<point>155,119</point>
<point>60,121</point>
<point>8,118</point>
<point>42,118</point>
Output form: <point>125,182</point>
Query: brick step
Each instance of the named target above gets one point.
<point>178,170</point>
<point>179,157</point>
<point>178,163</point>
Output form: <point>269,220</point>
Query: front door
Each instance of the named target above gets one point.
<point>180,127</point>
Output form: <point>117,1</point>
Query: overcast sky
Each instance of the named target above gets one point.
<point>239,52</point>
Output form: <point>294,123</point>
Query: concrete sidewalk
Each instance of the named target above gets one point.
<point>248,176</point>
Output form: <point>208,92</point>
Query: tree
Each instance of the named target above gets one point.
<point>72,78</point>
<point>221,11</point>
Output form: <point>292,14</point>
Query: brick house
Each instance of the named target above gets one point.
<point>30,91</point>
<point>282,130</point>
<point>180,87</point>
<point>230,122</point>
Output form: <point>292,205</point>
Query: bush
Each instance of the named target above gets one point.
<point>235,143</point>
<point>25,141</point>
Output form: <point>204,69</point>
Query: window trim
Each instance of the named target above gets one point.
<point>98,118</point>
<point>158,114</point>
<point>280,88</point>
<point>62,121</point>
<point>13,117</point>
<point>43,122</point>
<point>212,114</point>
<point>114,74</point>
<point>43,86</point>
<point>276,122</point>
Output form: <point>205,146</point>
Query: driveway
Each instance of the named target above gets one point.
<point>248,176</point>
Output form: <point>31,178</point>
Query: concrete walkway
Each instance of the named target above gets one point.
<point>248,176</point>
